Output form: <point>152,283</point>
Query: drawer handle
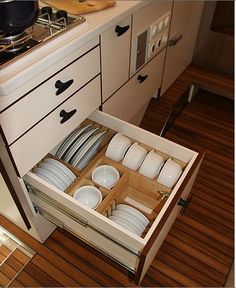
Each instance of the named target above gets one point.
<point>66,115</point>
<point>141,78</point>
<point>184,203</point>
<point>61,87</point>
<point>175,40</point>
<point>121,30</point>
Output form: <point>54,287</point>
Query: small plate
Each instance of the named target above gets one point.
<point>82,158</point>
<point>71,139</point>
<point>50,178</point>
<point>61,167</point>
<point>130,219</point>
<point>124,224</point>
<point>56,172</point>
<point>134,212</point>
<point>78,144</point>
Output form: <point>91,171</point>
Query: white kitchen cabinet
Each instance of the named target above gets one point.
<point>185,21</point>
<point>42,130</point>
<point>137,92</point>
<point>115,55</point>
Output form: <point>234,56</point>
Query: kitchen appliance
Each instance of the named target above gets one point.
<point>50,23</point>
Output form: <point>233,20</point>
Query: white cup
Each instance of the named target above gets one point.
<point>117,147</point>
<point>134,157</point>
<point>170,173</point>
<point>151,165</point>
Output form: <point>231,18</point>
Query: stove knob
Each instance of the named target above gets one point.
<point>47,9</point>
<point>61,14</point>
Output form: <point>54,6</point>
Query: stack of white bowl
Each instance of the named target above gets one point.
<point>55,173</point>
<point>129,218</point>
<point>105,175</point>
<point>88,195</point>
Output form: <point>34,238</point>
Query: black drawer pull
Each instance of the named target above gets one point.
<point>142,78</point>
<point>184,203</point>
<point>61,87</point>
<point>121,30</point>
<point>66,115</point>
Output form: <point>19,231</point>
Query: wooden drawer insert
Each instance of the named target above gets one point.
<point>132,188</point>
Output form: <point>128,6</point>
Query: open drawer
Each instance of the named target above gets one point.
<point>135,252</point>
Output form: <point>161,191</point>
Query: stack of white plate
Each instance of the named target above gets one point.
<point>80,146</point>
<point>129,218</point>
<point>55,173</point>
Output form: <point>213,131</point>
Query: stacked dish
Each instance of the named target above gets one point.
<point>88,195</point>
<point>80,146</point>
<point>170,173</point>
<point>55,173</point>
<point>129,218</point>
<point>106,176</point>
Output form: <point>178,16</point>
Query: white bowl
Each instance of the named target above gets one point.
<point>170,173</point>
<point>105,175</point>
<point>89,195</point>
<point>151,165</point>
<point>117,147</point>
<point>134,157</point>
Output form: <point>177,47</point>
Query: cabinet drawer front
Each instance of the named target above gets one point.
<point>44,99</point>
<point>128,100</point>
<point>115,54</point>
<point>88,234</point>
<point>43,137</point>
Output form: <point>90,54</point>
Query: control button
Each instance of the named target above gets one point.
<point>61,14</point>
<point>47,9</point>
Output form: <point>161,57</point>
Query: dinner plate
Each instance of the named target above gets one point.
<point>71,139</point>
<point>134,212</point>
<point>83,157</point>
<point>78,144</point>
<point>124,224</point>
<point>56,172</point>
<point>130,219</point>
<point>62,167</point>
<point>50,178</point>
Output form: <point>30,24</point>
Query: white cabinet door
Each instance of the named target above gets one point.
<point>136,94</point>
<point>186,17</point>
<point>115,55</point>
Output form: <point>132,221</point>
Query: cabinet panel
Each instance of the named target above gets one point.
<point>32,146</point>
<point>49,95</point>
<point>128,100</point>
<point>186,17</point>
<point>115,55</point>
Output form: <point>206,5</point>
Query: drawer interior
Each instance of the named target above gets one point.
<point>133,189</point>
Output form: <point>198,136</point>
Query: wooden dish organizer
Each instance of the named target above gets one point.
<point>133,189</point>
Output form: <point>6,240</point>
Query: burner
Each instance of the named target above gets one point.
<point>49,25</point>
<point>13,43</point>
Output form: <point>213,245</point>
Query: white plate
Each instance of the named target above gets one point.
<point>77,145</point>
<point>62,167</point>
<point>134,212</point>
<point>71,139</point>
<point>124,224</point>
<point>56,172</point>
<point>83,156</point>
<point>50,178</point>
<point>130,219</point>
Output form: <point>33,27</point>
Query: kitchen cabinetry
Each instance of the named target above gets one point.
<point>185,21</point>
<point>115,55</point>
<point>56,103</point>
<point>135,95</point>
<point>130,101</point>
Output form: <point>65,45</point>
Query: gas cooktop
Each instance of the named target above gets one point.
<point>49,25</point>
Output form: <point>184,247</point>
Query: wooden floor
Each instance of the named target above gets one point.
<point>198,250</point>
